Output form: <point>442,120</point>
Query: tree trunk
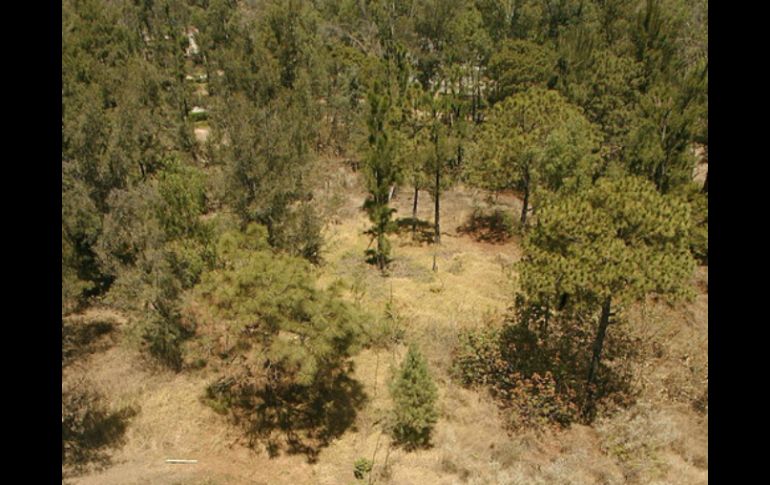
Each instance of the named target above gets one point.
<point>414,210</point>
<point>544,326</point>
<point>705,189</point>
<point>437,196</point>
<point>525,203</point>
<point>474,103</point>
<point>604,322</point>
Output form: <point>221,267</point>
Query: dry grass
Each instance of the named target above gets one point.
<point>473,286</point>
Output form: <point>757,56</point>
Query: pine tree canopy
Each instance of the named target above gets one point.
<point>621,239</point>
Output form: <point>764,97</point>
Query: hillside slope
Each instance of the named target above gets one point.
<point>661,439</point>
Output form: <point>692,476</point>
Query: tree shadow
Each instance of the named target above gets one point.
<point>536,366</point>
<point>553,351</point>
<point>421,231</point>
<point>496,227</point>
<point>84,338</point>
<point>293,418</point>
<point>89,429</point>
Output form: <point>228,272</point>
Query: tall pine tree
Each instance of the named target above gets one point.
<point>381,174</point>
<point>613,244</point>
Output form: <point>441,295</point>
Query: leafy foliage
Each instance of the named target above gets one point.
<point>361,468</point>
<point>570,104</point>
<point>621,238</point>
<point>519,64</point>
<point>613,244</point>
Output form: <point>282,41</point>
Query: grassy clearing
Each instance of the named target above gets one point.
<point>662,439</point>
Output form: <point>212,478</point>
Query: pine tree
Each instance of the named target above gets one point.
<point>520,64</point>
<point>534,140</point>
<point>415,150</point>
<point>608,246</point>
<point>381,174</point>
<point>414,399</point>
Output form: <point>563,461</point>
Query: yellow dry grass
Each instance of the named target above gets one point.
<point>473,285</point>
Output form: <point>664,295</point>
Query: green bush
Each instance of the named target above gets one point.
<point>198,116</point>
<point>163,338</point>
<point>361,468</point>
<point>299,233</point>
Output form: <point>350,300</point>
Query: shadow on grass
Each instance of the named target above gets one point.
<point>89,428</point>
<point>536,368</point>
<point>496,227</point>
<point>420,231</point>
<point>292,418</point>
<point>84,338</point>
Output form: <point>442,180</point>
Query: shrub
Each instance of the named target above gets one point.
<point>198,114</point>
<point>637,438</point>
<point>163,338</point>
<point>299,233</point>
<point>535,365</point>
<point>361,468</point>
<point>414,398</point>
<point>477,357</point>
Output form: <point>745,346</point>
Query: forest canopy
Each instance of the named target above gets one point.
<point>199,138</point>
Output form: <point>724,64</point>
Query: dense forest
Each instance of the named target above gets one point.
<point>210,149</point>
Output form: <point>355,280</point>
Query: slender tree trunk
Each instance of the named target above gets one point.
<point>604,322</point>
<point>474,104</point>
<point>525,203</point>
<point>705,189</point>
<point>437,196</point>
<point>414,210</point>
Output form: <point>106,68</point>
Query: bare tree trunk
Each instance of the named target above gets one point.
<point>705,189</point>
<point>414,210</point>
<point>474,104</point>
<point>437,196</point>
<point>604,322</point>
<point>525,205</point>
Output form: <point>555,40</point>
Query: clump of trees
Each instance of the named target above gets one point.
<point>588,110</point>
